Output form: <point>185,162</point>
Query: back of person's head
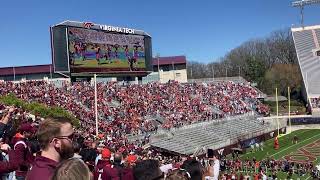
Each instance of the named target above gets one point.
<point>147,169</point>
<point>72,169</point>
<point>34,145</point>
<point>179,174</point>
<point>76,147</point>
<point>80,140</point>
<point>50,128</point>
<point>194,168</point>
<point>117,158</point>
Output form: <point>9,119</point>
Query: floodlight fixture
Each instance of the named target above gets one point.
<point>300,4</point>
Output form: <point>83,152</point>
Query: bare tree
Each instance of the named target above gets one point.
<point>255,58</point>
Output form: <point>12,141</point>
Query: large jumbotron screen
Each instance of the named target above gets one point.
<point>77,49</point>
<point>98,49</point>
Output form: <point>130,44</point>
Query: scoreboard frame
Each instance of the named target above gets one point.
<point>60,48</point>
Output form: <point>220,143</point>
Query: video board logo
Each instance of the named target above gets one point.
<point>88,25</point>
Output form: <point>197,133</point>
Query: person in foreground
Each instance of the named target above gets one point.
<point>72,169</point>
<point>55,136</point>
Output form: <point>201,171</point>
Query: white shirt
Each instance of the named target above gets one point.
<point>97,159</point>
<point>216,169</point>
<point>264,177</point>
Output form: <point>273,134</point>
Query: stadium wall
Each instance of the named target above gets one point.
<point>166,76</point>
<point>174,75</point>
<point>244,144</point>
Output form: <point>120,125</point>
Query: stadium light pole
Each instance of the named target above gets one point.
<point>174,74</point>
<point>158,55</point>
<point>301,4</point>
<point>14,73</point>
<point>96,102</point>
<point>289,103</point>
<point>50,72</point>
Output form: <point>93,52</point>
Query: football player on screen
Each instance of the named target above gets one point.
<point>126,50</point>
<point>116,47</point>
<point>136,53</point>
<point>130,62</point>
<point>109,53</point>
<point>77,49</point>
<point>97,50</point>
<point>83,51</point>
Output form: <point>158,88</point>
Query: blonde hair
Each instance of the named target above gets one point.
<point>72,169</point>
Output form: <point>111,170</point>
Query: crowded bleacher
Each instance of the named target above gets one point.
<point>21,154</point>
<point>129,109</point>
<point>315,102</point>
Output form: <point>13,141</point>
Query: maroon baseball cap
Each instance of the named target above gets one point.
<point>27,127</point>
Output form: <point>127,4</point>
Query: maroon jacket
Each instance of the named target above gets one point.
<point>42,168</point>
<point>25,158</point>
<point>98,170</point>
<point>12,164</point>
<point>113,173</point>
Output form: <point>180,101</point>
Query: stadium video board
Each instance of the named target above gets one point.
<point>100,49</point>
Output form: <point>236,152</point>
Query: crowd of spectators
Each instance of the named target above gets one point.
<point>315,102</point>
<point>122,110</point>
<point>177,104</point>
<point>36,148</point>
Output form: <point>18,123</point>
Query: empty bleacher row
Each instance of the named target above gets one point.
<point>236,79</point>
<point>307,43</point>
<point>309,63</point>
<point>213,135</point>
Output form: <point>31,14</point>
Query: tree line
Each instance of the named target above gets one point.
<point>270,62</point>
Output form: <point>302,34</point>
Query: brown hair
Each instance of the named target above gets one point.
<point>50,128</point>
<point>178,175</point>
<point>72,169</point>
